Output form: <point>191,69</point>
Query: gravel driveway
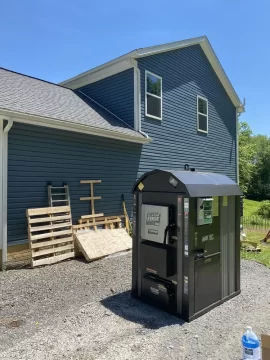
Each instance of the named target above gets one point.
<point>75,310</point>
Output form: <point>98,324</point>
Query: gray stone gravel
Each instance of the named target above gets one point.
<point>75,310</point>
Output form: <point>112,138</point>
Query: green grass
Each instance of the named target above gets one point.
<point>251,207</point>
<point>264,256</point>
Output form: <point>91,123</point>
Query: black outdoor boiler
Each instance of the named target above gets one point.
<point>186,241</point>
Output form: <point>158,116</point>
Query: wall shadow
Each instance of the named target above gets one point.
<point>125,306</point>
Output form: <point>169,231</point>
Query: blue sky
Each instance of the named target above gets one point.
<point>57,39</point>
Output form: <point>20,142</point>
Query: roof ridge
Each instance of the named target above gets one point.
<point>33,77</point>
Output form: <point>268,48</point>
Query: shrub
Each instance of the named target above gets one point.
<point>264,209</point>
<point>255,221</point>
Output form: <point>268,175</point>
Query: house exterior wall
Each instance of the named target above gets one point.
<point>185,74</point>
<point>38,155</point>
<point>115,93</point>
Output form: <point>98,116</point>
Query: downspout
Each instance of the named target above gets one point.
<point>137,99</point>
<point>4,189</point>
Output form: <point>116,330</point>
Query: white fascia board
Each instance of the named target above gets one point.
<point>68,126</point>
<point>152,50</point>
<point>97,74</point>
<point>122,63</point>
<point>126,61</point>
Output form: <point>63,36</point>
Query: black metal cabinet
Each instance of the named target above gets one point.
<point>184,261</point>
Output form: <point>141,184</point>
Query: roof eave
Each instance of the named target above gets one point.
<point>69,126</point>
<point>125,62</point>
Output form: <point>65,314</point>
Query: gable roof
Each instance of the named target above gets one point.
<point>26,98</point>
<point>126,61</point>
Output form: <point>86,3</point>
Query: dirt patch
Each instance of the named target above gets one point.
<point>11,323</point>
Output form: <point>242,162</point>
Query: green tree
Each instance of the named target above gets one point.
<point>246,155</point>
<point>259,185</point>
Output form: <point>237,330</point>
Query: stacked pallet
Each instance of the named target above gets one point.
<point>88,222</point>
<point>50,235</point>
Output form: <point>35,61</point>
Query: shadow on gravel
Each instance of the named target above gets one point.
<point>127,307</point>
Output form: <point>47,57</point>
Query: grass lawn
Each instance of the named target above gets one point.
<point>251,207</point>
<point>262,257</point>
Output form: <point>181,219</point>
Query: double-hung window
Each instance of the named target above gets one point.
<point>153,95</point>
<point>202,114</point>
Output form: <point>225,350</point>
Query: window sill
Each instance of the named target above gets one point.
<point>153,117</point>
<point>202,131</point>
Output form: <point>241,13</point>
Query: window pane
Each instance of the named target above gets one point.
<point>153,85</point>
<point>202,106</point>
<point>203,122</point>
<point>153,106</point>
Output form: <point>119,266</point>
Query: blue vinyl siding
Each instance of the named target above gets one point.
<point>116,94</point>
<point>39,155</point>
<point>185,74</point>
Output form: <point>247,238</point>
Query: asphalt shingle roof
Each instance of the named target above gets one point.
<point>32,96</point>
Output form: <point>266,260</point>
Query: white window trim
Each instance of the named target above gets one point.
<point>158,97</point>
<point>198,113</point>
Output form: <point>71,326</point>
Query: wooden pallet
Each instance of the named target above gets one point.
<point>110,222</point>
<point>50,235</point>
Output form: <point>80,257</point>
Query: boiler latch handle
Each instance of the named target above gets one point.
<point>200,253</point>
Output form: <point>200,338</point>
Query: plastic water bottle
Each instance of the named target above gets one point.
<point>251,345</point>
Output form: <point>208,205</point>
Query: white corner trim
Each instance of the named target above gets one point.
<point>68,126</point>
<point>198,113</point>
<point>137,97</point>
<point>237,147</point>
<point>158,97</point>
<point>136,100</point>
<point>4,189</point>
<point>1,182</point>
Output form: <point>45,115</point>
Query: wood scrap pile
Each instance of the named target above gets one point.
<point>95,221</point>
<point>50,235</point>
<point>88,222</point>
<point>97,235</point>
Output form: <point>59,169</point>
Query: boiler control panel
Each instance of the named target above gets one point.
<point>204,211</point>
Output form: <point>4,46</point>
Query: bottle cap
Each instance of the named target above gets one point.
<point>249,328</point>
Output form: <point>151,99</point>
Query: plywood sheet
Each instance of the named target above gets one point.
<point>96,244</point>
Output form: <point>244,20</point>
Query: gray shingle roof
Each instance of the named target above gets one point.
<point>32,96</point>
